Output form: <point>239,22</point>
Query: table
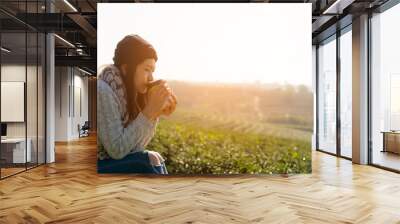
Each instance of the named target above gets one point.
<point>391,141</point>
<point>13,150</point>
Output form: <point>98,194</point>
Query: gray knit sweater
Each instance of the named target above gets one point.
<point>114,140</point>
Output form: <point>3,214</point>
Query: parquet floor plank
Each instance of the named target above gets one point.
<point>70,191</point>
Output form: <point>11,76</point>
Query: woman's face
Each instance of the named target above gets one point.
<point>144,74</point>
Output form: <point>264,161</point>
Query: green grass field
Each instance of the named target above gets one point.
<point>199,149</point>
<point>215,135</point>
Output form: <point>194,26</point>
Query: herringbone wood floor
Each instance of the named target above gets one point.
<point>70,191</point>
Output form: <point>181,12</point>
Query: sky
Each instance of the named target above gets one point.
<point>233,43</point>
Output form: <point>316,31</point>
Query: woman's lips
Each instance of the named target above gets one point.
<point>153,83</point>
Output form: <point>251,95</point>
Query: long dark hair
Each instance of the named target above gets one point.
<point>133,50</point>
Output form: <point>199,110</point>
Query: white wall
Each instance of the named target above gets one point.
<point>15,73</point>
<point>62,81</point>
<point>79,117</point>
<point>70,83</point>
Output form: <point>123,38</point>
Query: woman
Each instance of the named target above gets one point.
<point>127,112</point>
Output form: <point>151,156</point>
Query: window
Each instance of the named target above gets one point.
<point>395,102</point>
<point>346,93</point>
<point>385,89</point>
<point>327,96</point>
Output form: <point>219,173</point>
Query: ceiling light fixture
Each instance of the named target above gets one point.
<point>84,71</point>
<point>337,7</point>
<point>64,40</point>
<point>5,50</point>
<point>70,5</point>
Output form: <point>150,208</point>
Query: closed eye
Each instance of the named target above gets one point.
<point>150,68</point>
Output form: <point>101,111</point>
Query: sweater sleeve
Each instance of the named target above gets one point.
<point>116,139</point>
<point>147,141</point>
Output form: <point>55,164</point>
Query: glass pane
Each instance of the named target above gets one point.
<point>386,89</point>
<point>314,75</point>
<point>346,94</point>
<point>41,98</point>
<point>31,98</point>
<point>22,63</point>
<point>13,86</point>
<point>395,102</point>
<point>327,97</point>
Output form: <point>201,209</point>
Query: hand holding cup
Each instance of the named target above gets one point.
<point>160,88</point>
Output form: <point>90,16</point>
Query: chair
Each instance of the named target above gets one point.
<point>84,130</point>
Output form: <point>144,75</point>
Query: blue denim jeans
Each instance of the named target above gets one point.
<point>137,162</point>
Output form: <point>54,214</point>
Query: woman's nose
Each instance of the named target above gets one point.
<point>150,78</point>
